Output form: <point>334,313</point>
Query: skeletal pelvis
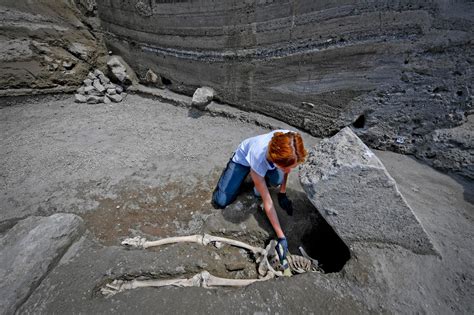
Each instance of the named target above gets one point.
<point>269,265</point>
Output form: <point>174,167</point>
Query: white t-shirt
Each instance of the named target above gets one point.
<point>252,152</point>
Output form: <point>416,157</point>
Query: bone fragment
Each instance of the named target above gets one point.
<point>305,255</point>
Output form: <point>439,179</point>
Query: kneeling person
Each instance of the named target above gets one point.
<point>269,158</point>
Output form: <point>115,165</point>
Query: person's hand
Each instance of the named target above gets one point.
<point>285,203</point>
<point>282,250</point>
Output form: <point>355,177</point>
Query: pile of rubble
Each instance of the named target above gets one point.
<point>98,88</point>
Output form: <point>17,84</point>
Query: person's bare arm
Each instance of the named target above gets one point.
<point>262,188</point>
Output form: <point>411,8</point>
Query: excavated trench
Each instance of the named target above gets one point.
<point>178,208</point>
<point>136,169</point>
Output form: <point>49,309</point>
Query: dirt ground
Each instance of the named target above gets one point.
<point>142,167</point>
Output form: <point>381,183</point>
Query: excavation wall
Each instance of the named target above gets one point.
<point>399,69</point>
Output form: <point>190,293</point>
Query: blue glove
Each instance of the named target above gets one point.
<point>282,249</point>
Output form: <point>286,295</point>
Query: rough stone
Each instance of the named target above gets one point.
<point>152,78</point>
<point>356,195</point>
<point>45,47</point>
<point>111,91</point>
<point>118,88</point>
<point>28,252</point>
<point>91,76</point>
<point>116,98</point>
<point>68,65</point>
<point>451,149</point>
<point>94,99</point>
<point>98,86</point>
<point>119,70</point>
<point>202,97</point>
<point>107,100</point>
<point>88,82</point>
<point>81,90</point>
<point>88,89</point>
<point>98,73</point>
<point>79,98</point>
<point>103,79</point>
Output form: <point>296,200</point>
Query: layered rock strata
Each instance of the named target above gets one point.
<point>45,47</point>
<point>398,69</point>
<point>356,195</point>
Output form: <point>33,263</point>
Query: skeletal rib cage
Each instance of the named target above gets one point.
<point>269,265</point>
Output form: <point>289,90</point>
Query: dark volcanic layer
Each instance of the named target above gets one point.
<point>403,67</point>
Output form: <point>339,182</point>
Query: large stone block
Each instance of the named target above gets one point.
<point>29,250</point>
<point>357,196</point>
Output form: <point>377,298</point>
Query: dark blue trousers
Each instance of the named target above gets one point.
<point>232,178</point>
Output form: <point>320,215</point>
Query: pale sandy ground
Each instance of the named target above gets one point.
<point>148,168</point>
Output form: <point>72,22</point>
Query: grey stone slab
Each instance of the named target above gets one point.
<point>29,251</point>
<point>356,195</point>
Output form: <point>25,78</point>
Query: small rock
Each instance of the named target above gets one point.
<point>115,98</point>
<point>234,266</point>
<point>91,76</point>
<point>88,89</point>
<point>107,100</point>
<point>96,93</point>
<point>152,77</point>
<point>79,98</point>
<point>98,86</point>
<point>202,96</point>
<point>98,73</point>
<point>68,65</point>
<point>118,69</point>
<point>111,91</point>
<point>81,90</point>
<point>119,89</point>
<point>103,79</point>
<point>93,99</point>
<point>88,82</point>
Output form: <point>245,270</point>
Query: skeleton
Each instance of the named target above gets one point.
<point>269,265</point>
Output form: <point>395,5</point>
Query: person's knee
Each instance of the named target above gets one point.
<point>220,200</point>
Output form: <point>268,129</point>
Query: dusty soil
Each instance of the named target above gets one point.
<point>142,167</point>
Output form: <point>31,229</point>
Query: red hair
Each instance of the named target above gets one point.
<point>286,149</point>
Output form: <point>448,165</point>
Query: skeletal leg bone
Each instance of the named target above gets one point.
<point>267,259</point>
<point>121,285</point>
<point>203,279</point>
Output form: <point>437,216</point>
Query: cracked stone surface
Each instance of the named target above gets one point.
<point>29,251</point>
<point>353,191</point>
